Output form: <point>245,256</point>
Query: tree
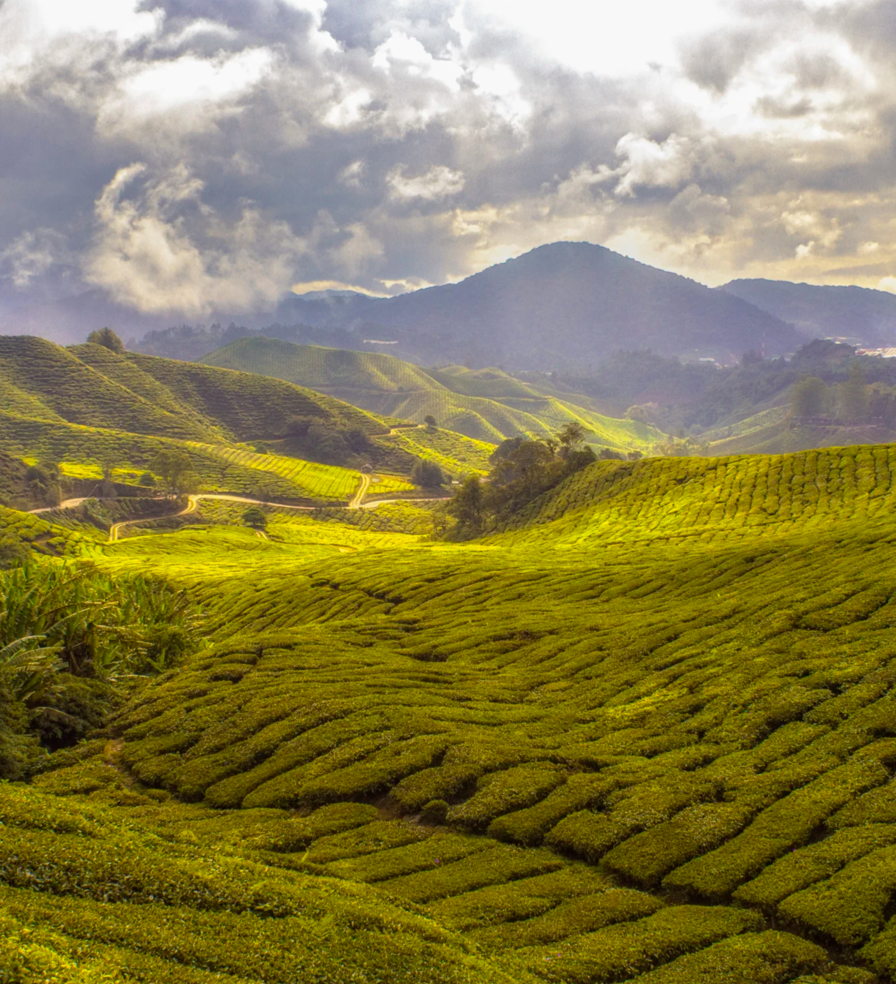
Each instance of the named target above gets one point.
<point>809,397</point>
<point>147,480</point>
<point>107,489</point>
<point>42,483</point>
<point>571,438</point>
<point>427,475</point>
<point>854,396</point>
<point>430,421</point>
<point>108,339</point>
<point>175,469</point>
<point>255,517</point>
<point>466,507</point>
<point>13,551</point>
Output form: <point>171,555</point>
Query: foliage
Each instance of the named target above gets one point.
<point>809,397</point>
<point>108,339</point>
<point>255,517</point>
<point>427,475</point>
<point>175,469</point>
<point>67,635</point>
<point>522,470</point>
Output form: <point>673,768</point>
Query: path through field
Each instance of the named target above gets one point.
<point>356,502</point>
<point>358,498</point>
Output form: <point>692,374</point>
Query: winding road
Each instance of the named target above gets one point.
<point>193,504</point>
<point>356,502</point>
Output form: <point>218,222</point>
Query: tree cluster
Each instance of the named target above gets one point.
<point>521,470</point>
<point>176,471</point>
<point>318,439</point>
<point>108,339</point>
<point>427,475</point>
<point>849,402</point>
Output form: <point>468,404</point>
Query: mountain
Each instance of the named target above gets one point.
<point>856,313</point>
<point>558,306</point>
<point>484,404</point>
<point>569,304</point>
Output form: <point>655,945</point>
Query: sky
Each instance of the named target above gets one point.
<point>191,155</point>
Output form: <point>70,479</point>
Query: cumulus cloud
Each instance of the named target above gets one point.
<point>31,255</point>
<point>437,183</point>
<point>158,247</point>
<point>404,142</point>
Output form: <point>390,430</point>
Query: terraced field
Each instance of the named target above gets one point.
<point>647,733</point>
<point>484,404</point>
<point>85,408</point>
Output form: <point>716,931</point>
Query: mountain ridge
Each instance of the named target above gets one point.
<point>557,305</point>
<point>863,314</point>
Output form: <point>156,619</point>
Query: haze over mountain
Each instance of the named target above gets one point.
<point>557,306</point>
<point>858,313</point>
<point>565,303</point>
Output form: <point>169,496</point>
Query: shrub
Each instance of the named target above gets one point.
<point>435,812</point>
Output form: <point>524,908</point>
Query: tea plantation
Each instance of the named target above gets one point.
<point>483,404</point>
<point>86,408</point>
<point>644,732</point>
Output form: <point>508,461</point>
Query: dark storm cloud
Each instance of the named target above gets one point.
<point>238,147</point>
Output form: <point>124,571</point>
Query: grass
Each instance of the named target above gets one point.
<point>662,740</point>
<point>486,405</point>
<point>90,408</point>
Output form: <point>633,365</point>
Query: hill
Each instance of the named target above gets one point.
<point>484,404</point>
<point>567,304</point>
<point>563,306</point>
<point>859,314</point>
<point>85,408</point>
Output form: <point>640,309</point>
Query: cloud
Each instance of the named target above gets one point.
<point>405,142</point>
<point>31,255</point>
<point>158,247</point>
<point>437,183</point>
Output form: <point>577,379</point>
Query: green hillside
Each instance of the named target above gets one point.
<point>76,410</point>
<point>484,404</point>
<point>645,733</point>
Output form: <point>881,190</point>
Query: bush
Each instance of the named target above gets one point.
<point>435,812</point>
<point>255,517</point>
<point>427,474</point>
<point>108,339</point>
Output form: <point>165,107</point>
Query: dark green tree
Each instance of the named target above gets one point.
<point>255,517</point>
<point>108,339</point>
<point>809,397</point>
<point>854,396</point>
<point>466,507</point>
<point>430,421</point>
<point>175,469</point>
<point>427,475</point>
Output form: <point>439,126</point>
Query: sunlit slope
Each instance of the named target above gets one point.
<point>89,385</point>
<point>484,404</point>
<point>218,467</point>
<point>326,370</point>
<point>715,499</point>
<point>772,431</point>
<point>114,895</point>
<point>454,453</point>
<point>46,382</point>
<point>87,405</point>
<point>678,673</point>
